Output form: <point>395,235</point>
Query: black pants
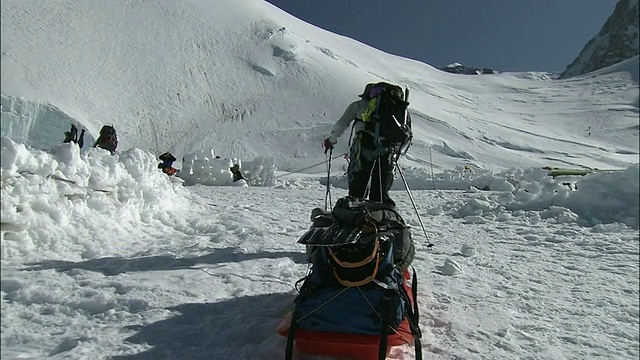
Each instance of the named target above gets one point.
<point>371,162</point>
<point>72,136</point>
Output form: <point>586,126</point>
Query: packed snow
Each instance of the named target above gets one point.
<point>106,257</point>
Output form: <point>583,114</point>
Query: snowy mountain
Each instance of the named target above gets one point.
<point>616,41</point>
<point>245,78</point>
<point>106,257</point>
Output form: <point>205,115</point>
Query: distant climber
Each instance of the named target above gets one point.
<point>238,179</point>
<point>167,163</point>
<point>108,139</point>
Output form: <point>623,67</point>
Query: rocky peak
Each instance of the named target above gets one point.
<point>616,41</point>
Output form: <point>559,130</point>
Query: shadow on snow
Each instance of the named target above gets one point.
<point>237,328</point>
<point>117,265</point>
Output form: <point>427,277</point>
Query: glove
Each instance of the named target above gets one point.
<point>327,144</point>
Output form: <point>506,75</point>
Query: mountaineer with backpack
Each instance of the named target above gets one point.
<point>382,127</point>
<point>167,163</point>
<point>108,139</point>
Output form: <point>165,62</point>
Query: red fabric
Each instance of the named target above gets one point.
<point>353,346</point>
<point>169,170</point>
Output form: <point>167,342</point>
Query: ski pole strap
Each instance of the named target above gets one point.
<point>406,145</point>
<point>351,134</point>
<point>414,292</point>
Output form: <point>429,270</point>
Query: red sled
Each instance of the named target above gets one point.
<point>352,346</point>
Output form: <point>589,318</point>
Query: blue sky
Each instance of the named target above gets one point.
<point>516,35</point>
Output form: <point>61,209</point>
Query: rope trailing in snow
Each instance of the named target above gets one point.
<point>309,167</point>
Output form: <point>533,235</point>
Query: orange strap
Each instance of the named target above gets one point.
<point>374,256</point>
<point>365,261</point>
<point>364,281</point>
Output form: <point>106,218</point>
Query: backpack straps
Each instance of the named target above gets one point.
<point>384,326</point>
<point>351,134</point>
<point>413,316</point>
<point>414,292</point>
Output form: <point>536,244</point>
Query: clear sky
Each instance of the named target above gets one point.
<point>516,35</point>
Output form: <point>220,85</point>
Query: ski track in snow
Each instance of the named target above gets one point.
<point>195,299</point>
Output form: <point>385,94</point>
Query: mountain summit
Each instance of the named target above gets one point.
<point>616,41</point>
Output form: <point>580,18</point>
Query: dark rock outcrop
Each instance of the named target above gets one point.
<point>457,68</point>
<point>616,41</point>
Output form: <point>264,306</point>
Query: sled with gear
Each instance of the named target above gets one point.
<point>358,300</point>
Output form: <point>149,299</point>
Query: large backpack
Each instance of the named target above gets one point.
<point>356,284</point>
<point>387,115</point>
<point>108,139</point>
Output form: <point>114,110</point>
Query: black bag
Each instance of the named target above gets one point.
<point>352,212</point>
<point>390,118</point>
<point>354,230</point>
<point>108,139</point>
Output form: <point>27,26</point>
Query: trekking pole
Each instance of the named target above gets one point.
<point>327,196</point>
<point>429,243</point>
<point>380,180</point>
<point>367,190</point>
<point>308,167</point>
<point>433,181</point>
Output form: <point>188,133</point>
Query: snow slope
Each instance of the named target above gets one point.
<point>154,270</point>
<point>105,257</point>
<point>246,78</point>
